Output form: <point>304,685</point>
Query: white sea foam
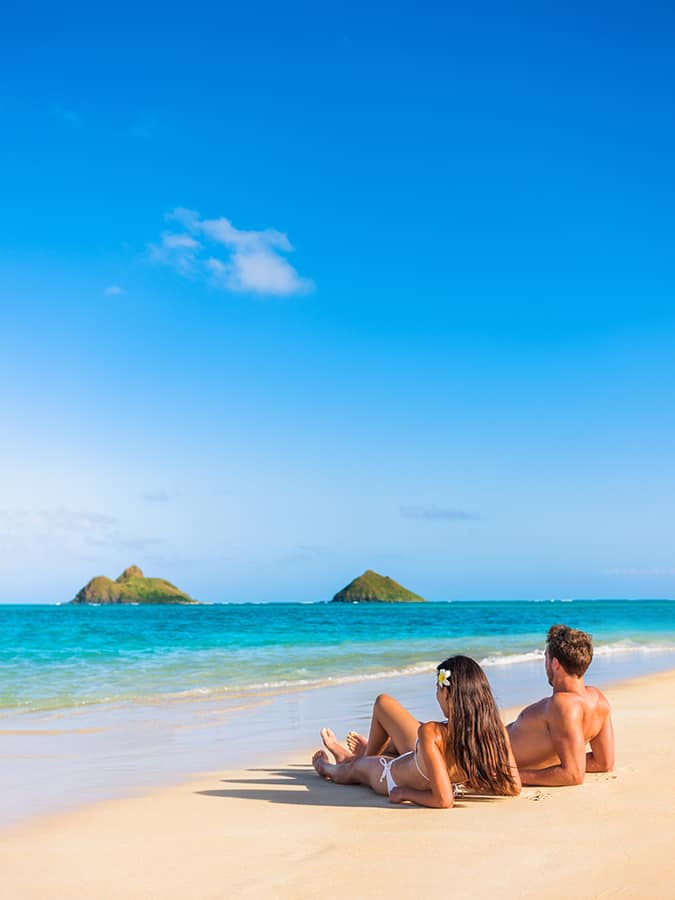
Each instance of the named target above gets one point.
<point>418,668</point>
<point>509,659</point>
<point>631,647</point>
<point>302,682</point>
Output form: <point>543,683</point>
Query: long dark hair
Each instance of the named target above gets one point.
<point>476,742</point>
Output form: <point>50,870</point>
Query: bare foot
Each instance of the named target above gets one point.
<point>357,743</point>
<point>320,761</point>
<point>331,743</point>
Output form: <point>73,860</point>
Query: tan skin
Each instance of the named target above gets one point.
<point>549,737</point>
<point>392,722</point>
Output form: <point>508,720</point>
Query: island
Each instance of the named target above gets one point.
<point>131,587</point>
<point>374,588</point>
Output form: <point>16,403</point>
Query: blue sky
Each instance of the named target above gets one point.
<point>286,294</point>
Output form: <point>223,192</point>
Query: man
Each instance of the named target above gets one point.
<point>549,737</point>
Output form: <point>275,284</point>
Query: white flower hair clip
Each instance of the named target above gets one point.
<point>444,676</point>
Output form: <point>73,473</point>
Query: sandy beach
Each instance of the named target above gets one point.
<point>280,831</point>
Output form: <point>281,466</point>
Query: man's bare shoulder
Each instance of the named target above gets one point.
<point>535,710</point>
<point>591,707</point>
<point>597,695</point>
<point>567,703</point>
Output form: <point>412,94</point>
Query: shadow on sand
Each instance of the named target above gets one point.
<point>301,786</point>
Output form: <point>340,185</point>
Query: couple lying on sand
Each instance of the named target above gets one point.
<point>430,763</point>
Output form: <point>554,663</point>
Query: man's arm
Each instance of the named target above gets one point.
<point>513,765</point>
<point>601,757</point>
<point>565,725</point>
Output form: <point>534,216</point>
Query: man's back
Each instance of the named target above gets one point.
<point>549,737</point>
<point>531,735</point>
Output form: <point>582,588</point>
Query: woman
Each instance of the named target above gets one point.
<point>471,748</point>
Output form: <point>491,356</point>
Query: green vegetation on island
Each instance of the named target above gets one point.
<point>373,588</point>
<point>131,587</point>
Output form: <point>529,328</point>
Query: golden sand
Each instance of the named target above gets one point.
<point>281,832</point>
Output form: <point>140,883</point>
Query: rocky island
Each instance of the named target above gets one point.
<point>373,588</point>
<point>131,587</point>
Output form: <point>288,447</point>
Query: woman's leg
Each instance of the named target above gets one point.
<point>358,770</point>
<point>391,722</point>
<point>392,728</point>
<point>330,742</point>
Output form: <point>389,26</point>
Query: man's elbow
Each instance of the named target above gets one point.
<point>575,777</point>
<point>597,763</point>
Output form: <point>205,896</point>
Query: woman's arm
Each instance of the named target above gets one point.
<point>431,755</point>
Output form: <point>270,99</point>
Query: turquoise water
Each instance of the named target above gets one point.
<point>63,657</point>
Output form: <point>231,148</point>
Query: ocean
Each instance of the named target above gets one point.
<point>102,701</point>
<point>61,657</point>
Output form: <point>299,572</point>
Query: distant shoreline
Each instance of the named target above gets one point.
<point>203,603</point>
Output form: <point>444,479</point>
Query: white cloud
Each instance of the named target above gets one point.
<point>252,261</point>
<point>159,496</point>
<point>179,242</point>
<point>176,250</point>
<point>67,530</point>
<point>437,513</point>
<point>113,290</point>
<point>116,541</point>
<point>25,524</point>
<point>264,272</point>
